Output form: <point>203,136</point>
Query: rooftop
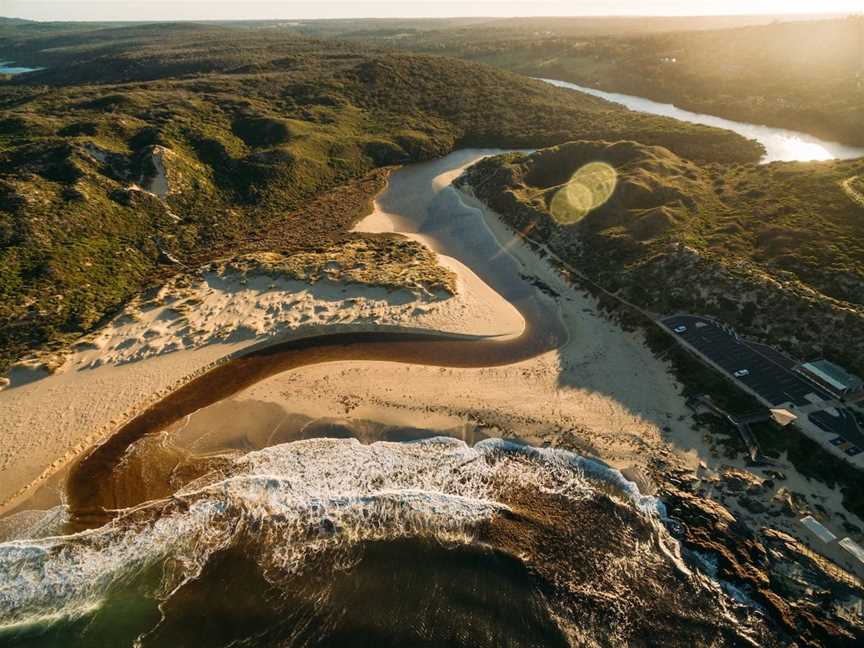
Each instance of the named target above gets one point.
<point>833,374</point>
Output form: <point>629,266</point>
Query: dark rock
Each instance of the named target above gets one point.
<point>752,505</point>
<point>797,588</point>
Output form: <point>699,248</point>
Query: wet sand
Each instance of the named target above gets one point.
<point>86,496</point>
<point>420,203</point>
<point>146,353</point>
<point>585,384</point>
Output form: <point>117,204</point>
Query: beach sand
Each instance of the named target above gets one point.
<point>159,343</point>
<point>603,393</point>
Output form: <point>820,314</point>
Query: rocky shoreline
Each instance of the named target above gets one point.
<point>808,597</point>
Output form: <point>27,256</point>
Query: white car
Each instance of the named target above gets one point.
<point>680,329</point>
<point>741,373</point>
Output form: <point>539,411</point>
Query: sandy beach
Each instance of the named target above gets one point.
<point>603,393</point>
<point>161,342</point>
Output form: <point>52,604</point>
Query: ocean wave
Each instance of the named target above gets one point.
<point>290,502</point>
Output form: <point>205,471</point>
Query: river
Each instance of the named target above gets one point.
<point>327,541</point>
<point>780,145</point>
<point>423,203</point>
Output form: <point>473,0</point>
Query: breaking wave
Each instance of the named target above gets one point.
<point>315,508</point>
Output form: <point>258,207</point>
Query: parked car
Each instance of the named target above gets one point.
<point>741,373</point>
<point>680,329</point>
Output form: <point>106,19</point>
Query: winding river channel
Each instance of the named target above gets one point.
<point>327,541</point>
<point>422,203</point>
<point>781,145</point>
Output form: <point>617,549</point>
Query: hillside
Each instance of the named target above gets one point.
<point>776,250</point>
<point>453,30</point>
<point>801,75</point>
<point>142,147</point>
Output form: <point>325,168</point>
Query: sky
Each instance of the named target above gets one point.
<point>288,9</point>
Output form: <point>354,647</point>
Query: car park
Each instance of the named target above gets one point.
<point>771,375</point>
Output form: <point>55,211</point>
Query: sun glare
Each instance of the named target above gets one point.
<point>589,188</point>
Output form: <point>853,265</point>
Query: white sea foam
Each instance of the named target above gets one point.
<point>289,502</point>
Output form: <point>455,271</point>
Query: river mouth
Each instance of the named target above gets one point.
<point>91,487</point>
<point>195,525</point>
<point>421,198</point>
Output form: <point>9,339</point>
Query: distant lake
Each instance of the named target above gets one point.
<point>6,67</point>
<point>780,144</point>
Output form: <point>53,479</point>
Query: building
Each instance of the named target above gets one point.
<point>831,377</point>
<point>783,417</point>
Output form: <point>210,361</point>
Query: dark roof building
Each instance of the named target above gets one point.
<point>831,377</point>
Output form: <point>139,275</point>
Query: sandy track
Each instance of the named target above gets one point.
<point>856,196</point>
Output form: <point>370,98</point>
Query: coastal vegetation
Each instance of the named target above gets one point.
<point>805,75</point>
<point>138,149</point>
<point>775,250</point>
<point>771,249</point>
<point>177,212</point>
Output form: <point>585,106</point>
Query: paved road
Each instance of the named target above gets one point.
<point>772,374</point>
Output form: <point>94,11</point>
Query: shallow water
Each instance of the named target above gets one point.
<point>780,144</point>
<point>335,533</point>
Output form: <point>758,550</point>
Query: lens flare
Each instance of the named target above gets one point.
<point>589,187</point>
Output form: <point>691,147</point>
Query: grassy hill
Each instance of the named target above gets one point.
<point>450,31</point>
<point>267,140</point>
<point>803,75</point>
<point>777,250</point>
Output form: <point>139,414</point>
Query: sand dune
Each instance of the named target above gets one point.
<point>603,393</point>
<point>55,409</point>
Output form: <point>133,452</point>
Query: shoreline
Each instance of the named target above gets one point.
<point>101,436</point>
<point>591,395</point>
<point>94,403</point>
<point>710,477</point>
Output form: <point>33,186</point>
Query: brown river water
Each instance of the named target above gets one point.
<point>339,537</point>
